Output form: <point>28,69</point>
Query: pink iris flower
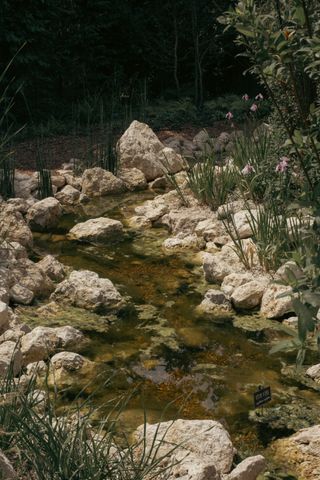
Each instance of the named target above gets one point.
<point>283,165</point>
<point>245,97</point>
<point>248,169</point>
<point>229,116</point>
<point>254,107</point>
<point>259,96</point>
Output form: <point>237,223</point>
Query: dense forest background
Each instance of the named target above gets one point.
<point>128,50</point>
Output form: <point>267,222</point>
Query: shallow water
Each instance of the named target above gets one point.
<point>173,361</point>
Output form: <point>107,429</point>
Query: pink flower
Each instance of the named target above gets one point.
<point>283,165</point>
<point>229,116</point>
<point>259,96</point>
<point>248,169</point>
<point>245,97</point>
<point>254,107</point>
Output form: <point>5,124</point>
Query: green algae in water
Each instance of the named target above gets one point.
<point>55,315</point>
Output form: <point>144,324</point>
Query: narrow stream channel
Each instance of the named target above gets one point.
<point>162,351</point>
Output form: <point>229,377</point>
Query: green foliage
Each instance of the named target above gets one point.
<point>212,184</point>
<point>279,41</point>
<point>251,154</point>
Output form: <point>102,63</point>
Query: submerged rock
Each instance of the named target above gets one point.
<point>85,289</point>
<point>97,230</point>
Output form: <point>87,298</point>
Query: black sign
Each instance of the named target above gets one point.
<point>262,396</point>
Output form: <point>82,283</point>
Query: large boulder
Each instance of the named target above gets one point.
<point>42,342</point>
<point>235,280</point>
<point>197,449</point>
<point>10,356</point>
<point>217,267</point>
<point>45,213</point>
<point>97,182</point>
<point>300,453</point>
<point>133,178</point>
<point>140,148</point>
<point>85,289</point>
<point>54,269</point>
<point>30,276</point>
<point>13,228</point>
<point>68,196</point>
<point>249,295</point>
<point>97,230</point>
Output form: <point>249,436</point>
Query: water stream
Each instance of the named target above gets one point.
<point>162,350</point>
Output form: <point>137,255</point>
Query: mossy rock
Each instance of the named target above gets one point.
<point>287,418</point>
<point>55,315</point>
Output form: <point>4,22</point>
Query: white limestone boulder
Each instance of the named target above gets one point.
<point>85,289</point>
<point>140,148</point>
<point>274,304</point>
<point>54,269</point>
<point>97,230</point>
<point>97,182</point>
<point>203,448</point>
<point>44,214</point>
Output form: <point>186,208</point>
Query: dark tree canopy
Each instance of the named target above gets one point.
<point>74,48</point>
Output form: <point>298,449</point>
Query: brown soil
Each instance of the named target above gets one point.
<point>60,149</point>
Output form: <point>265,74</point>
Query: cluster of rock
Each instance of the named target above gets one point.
<point>197,228</point>
<point>142,158</point>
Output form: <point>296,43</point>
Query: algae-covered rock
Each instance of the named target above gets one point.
<point>258,327</point>
<point>288,417</point>
<point>299,376</point>
<point>54,314</point>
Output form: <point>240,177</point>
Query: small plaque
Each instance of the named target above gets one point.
<point>262,396</point>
